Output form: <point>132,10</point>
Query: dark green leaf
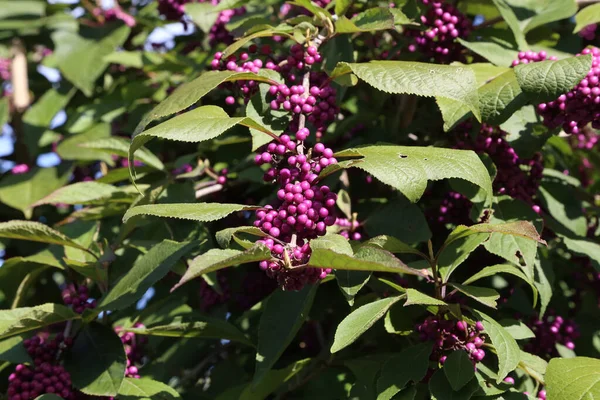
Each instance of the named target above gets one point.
<point>459,369</point>
<point>35,232</point>
<point>146,389</point>
<point>414,297</point>
<point>350,282</point>
<point>409,365</point>
<point>440,388</point>
<point>485,296</point>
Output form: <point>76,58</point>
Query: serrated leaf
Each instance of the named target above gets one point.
<point>421,79</point>
<point>25,319</point>
<point>216,259</point>
<point>507,349</point>
<point>195,126</point>
<point>145,272</point>
<point>522,229</point>
<point>79,193</point>
<point>414,297</point>
<point>502,268</point>
<point>373,19</point>
<point>392,245</point>
<point>284,314</point>
<point>103,376</point>
<point>23,190</point>
<point>202,326</point>
<point>458,369</point>
<point>35,232</point>
<point>146,389</point>
<point>409,365</point>
<point>359,321</point>
<point>546,80</point>
<point>485,296</point>
<point>325,254</point>
<point>120,147</point>
<point>224,236</point>
<point>82,60</point>
<point>202,212</point>
<point>573,378</point>
<point>408,169</point>
<point>189,93</point>
<point>587,16</point>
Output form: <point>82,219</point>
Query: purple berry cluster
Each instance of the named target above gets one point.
<point>589,32</point>
<point>450,336</point>
<point>78,298</point>
<point>444,23</point>
<point>516,177</point>
<point>44,376</point>
<point>255,287</point>
<point>115,13</point>
<point>350,229</point>
<point>135,349</point>
<point>526,57</point>
<point>209,297</point>
<point>549,331</point>
<point>454,209</point>
<point>574,110</point>
<point>5,74</point>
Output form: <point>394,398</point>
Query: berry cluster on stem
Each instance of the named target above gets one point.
<point>135,349</point>
<point>77,297</point>
<point>550,330</point>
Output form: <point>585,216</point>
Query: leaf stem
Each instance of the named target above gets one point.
<point>434,270</point>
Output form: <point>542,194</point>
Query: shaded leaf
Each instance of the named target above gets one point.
<point>35,232</point>
<point>409,365</point>
<point>458,369</point>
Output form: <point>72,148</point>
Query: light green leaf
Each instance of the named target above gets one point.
<point>82,60</point>
<point>216,259</point>
<point>546,80</point>
<point>202,326</point>
<point>421,79</point>
<point>103,376</point>
<point>485,296</point>
<point>409,365</point>
<point>534,366</point>
<point>458,369</point>
<point>80,193</point>
<point>493,49</point>
<point>506,269</point>
<point>21,8</point>
<point>25,319</point>
<point>259,110</point>
<point>133,59</point>
<point>341,6</point>
<point>35,232</point>
<point>414,297</point>
<point>71,149</point>
<point>517,329</point>
<point>120,147</point>
<point>359,321</point>
<point>238,44</point>
<point>284,314</point>
<point>145,272</point>
<point>224,236</point>
<point>23,190</point>
<point>546,12</point>
<point>373,19</point>
<point>189,93</point>
<point>203,212</point>
<point>146,389</point>
<point>204,15</point>
<point>513,23</point>
<point>408,169</point>
<point>587,16</point>
<point>573,378</point>
<point>507,349</point>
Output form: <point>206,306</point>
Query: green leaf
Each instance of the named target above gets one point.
<point>546,80</point>
<point>421,79</point>
<point>501,98</point>
<point>259,110</point>
<point>573,378</point>
<point>585,248</point>
<point>35,232</point>
<point>23,190</point>
<point>216,259</point>
<point>202,326</point>
<point>71,149</point>
<point>25,319</point>
<point>547,11</point>
<point>556,194</point>
<point>414,297</point>
<point>120,147</point>
<point>409,365</point>
<point>13,351</point>
<point>350,283</point>
<point>513,23</point>
<point>440,388</point>
<point>502,268</point>
<point>80,193</point>
<point>241,42</point>
<point>202,212</point>
<point>284,314</point>
<point>373,19</point>
<point>133,59</point>
<point>454,254</point>
<point>485,296</point>
<point>392,245</point>
<point>11,8</point>
<point>224,236</point>
<point>458,369</point>
<point>341,6</point>
<point>544,279</point>
<point>408,169</point>
<point>359,321</point>
<point>587,16</point>
<point>146,389</point>
<point>48,396</point>
<point>520,229</point>
<point>334,251</point>
<point>204,15</point>
<point>534,366</point>
<point>145,272</point>
<point>103,376</point>
<point>82,60</point>
<point>517,329</point>
<point>189,93</point>
<point>507,349</point>
<point>413,229</point>
<point>195,126</point>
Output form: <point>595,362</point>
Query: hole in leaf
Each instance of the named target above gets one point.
<point>402,156</point>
